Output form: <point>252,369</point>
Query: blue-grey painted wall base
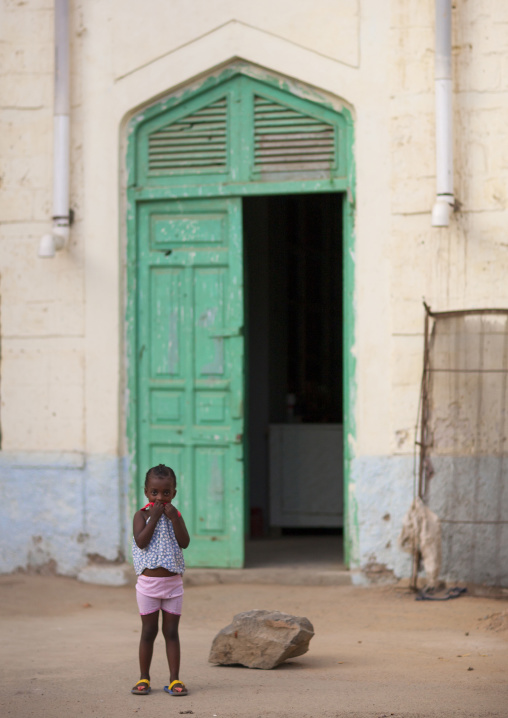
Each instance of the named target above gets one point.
<point>382,487</point>
<point>60,511</point>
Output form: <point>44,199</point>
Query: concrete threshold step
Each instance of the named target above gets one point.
<point>285,576</point>
<point>123,574</point>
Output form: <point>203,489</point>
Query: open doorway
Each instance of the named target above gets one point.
<point>293,298</point>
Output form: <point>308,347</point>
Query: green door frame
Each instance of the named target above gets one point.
<point>344,184</point>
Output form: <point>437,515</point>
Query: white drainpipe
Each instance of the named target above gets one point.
<point>444,139</point>
<point>50,243</point>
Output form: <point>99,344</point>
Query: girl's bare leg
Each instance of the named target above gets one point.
<point>170,631</point>
<point>149,629</point>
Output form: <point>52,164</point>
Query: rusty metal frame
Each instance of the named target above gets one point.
<point>461,312</point>
<point>424,441</point>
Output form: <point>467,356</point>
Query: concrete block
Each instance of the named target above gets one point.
<point>407,316</point>
<point>25,133</point>
<point>485,125</point>
<point>47,424</point>
<point>413,195</point>
<point>483,193</point>
<point>16,204</point>
<point>471,161</point>
<point>406,360</point>
<point>42,318</point>
<point>28,172</point>
<point>481,26</point>
<point>487,263</point>
<point>47,376</point>
<point>40,297</point>
<point>404,412</point>
<point>20,23</point>
<point>492,35</point>
<point>43,202</point>
<point>429,263</point>
<point>34,58</point>
<point>479,73</point>
<point>412,13</point>
<point>413,148</point>
<point>26,91</point>
<point>504,72</point>
<point>107,574</point>
<point>408,282</point>
<point>412,59</point>
<point>487,231</point>
<point>22,8</point>
<point>12,232</point>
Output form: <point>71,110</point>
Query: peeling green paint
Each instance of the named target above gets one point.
<point>241,80</point>
<point>351,525</point>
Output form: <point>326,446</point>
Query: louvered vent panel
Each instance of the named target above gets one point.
<point>288,141</point>
<point>196,142</point>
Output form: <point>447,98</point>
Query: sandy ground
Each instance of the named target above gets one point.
<point>70,649</point>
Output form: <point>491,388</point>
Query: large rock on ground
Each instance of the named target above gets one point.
<point>261,639</point>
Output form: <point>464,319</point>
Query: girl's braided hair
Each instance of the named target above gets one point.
<point>160,472</point>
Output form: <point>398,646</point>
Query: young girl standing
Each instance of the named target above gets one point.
<point>160,535</point>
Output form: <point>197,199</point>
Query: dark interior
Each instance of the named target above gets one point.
<point>293,298</point>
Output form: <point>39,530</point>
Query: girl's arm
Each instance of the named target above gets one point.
<point>143,529</point>
<point>181,533</point>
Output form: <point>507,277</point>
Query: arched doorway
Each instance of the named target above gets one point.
<point>205,167</point>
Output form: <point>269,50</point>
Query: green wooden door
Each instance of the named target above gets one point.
<point>190,157</point>
<point>190,365</point>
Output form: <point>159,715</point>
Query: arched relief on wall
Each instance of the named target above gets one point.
<point>333,36</point>
<point>235,43</point>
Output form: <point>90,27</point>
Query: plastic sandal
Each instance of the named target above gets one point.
<point>144,691</point>
<point>169,690</point>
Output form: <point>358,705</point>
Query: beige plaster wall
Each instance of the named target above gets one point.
<point>42,302</point>
<point>62,319</point>
<point>463,266</point>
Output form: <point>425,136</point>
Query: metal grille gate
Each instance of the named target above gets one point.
<point>463,473</point>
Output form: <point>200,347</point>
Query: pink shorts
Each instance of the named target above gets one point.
<point>154,593</point>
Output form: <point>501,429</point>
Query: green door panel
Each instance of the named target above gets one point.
<point>190,365</point>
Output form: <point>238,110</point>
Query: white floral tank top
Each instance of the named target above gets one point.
<point>163,551</point>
